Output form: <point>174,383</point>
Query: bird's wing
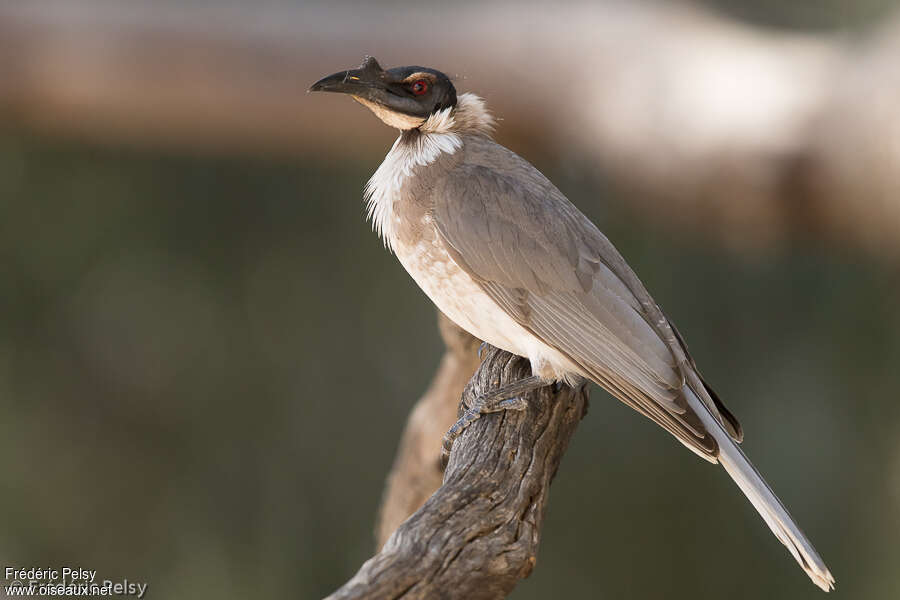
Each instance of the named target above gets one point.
<point>556,274</point>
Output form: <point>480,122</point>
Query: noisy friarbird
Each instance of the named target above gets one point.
<point>502,252</point>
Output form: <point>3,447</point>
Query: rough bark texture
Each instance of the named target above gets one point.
<point>478,534</point>
<point>416,473</point>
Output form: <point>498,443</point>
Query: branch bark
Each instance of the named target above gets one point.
<point>478,534</point>
<point>416,472</point>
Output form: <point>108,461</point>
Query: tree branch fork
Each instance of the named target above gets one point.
<point>478,534</point>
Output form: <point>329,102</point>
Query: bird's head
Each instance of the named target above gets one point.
<point>402,97</point>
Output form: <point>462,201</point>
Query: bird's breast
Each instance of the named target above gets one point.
<point>462,300</point>
<point>454,292</point>
<point>400,208</point>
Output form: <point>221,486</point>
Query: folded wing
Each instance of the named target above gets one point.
<point>557,275</point>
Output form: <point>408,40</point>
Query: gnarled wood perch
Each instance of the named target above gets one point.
<point>479,533</point>
<point>416,473</point>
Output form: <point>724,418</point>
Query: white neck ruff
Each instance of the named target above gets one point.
<point>439,134</point>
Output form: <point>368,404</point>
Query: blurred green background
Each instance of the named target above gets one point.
<point>207,358</point>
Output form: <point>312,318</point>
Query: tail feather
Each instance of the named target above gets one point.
<point>763,498</point>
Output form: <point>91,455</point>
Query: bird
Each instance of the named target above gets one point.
<point>507,257</point>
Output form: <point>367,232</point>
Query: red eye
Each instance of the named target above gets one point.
<point>419,87</point>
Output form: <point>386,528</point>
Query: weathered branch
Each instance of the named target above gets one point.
<point>479,533</point>
<point>416,472</point>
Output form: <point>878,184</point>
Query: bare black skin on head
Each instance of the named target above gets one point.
<point>392,88</point>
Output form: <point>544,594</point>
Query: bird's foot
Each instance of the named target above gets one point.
<point>508,397</point>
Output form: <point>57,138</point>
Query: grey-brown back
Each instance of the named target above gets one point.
<point>555,273</point>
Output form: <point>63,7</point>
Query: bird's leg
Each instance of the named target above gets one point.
<point>507,397</point>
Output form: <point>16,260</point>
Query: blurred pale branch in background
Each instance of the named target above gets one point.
<point>723,126</point>
<point>751,133</point>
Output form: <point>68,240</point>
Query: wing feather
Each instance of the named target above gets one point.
<point>555,273</point>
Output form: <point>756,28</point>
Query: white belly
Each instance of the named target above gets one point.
<point>467,305</point>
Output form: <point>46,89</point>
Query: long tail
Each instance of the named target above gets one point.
<point>763,498</point>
